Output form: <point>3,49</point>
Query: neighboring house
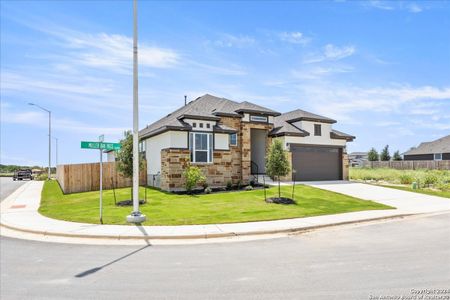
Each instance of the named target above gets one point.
<point>435,150</point>
<point>110,155</point>
<point>357,159</point>
<point>229,140</point>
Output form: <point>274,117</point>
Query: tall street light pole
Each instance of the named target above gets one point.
<point>136,216</point>
<point>49,137</point>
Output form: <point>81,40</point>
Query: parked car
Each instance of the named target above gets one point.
<point>23,174</point>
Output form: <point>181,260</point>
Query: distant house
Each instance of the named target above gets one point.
<point>357,159</point>
<point>435,150</point>
<point>110,155</point>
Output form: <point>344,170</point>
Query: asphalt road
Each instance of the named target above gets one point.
<point>351,262</point>
<point>7,186</point>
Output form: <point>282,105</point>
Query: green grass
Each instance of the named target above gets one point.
<point>445,194</point>
<point>171,209</point>
<point>438,179</point>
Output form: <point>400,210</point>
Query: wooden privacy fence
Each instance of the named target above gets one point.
<point>77,178</point>
<point>410,164</point>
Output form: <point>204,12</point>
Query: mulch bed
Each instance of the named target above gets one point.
<point>281,200</point>
<point>128,202</point>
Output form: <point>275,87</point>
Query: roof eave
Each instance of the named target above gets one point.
<point>329,121</point>
<point>269,113</point>
<point>162,130</point>
<point>195,117</point>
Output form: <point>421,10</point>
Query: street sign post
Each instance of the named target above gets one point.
<point>101,139</point>
<point>101,145</point>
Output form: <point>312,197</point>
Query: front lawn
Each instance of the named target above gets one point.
<point>171,209</point>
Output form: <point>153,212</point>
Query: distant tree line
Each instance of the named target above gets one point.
<point>384,155</point>
<point>12,168</point>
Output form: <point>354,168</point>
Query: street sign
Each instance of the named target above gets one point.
<point>100,145</point>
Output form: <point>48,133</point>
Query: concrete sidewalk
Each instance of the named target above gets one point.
<point>19,213</point>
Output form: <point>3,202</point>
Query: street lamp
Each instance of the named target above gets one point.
<point>49,137</point>
<point>136,216</point>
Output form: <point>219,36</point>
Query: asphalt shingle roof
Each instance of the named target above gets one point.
<point>206,106</point>
<point>212,107</point>
<point>441,145</point>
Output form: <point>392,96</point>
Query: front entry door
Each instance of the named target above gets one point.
<point>258,150</point>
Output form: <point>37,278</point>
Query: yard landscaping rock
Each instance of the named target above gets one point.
<point>281,200</point>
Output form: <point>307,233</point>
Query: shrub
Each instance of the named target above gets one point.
<point>193,176</point>
<point>248,188</point>
<point>208,190</point>
<point>239,185</point>
<point>430,179</point>
<point>41,177</point>
<point>229,185</point>
<point>406,179</point>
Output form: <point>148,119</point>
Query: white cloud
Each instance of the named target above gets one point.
<point>414,8</point>
<point>394,5</point>
<point>343,102</point>
<point>114,52</point>
<point>39,119</point>
<point>319,72</point>
<point>332,53</point>
<point>379,4</point>
<point>238,41</point>
<point>294,37</point>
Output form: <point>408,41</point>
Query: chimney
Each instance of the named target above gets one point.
<point>185,100</point>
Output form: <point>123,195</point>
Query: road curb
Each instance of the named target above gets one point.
<point>204,236</point>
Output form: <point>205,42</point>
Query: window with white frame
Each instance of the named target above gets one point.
<point>200,144</point>
<point>233,139</point>
<point>438,156</point>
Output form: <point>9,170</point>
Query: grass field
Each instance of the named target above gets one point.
<point>171,209</point>
<point>431,182</point>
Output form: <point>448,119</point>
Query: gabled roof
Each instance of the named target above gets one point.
<point>441,145</point>
<point>206,107</point>
<point>299,115</point>
<point>284,124</point>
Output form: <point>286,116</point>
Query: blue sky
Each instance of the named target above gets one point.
<point>381,68</point>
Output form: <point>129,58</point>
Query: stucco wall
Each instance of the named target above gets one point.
<point>154,145</point>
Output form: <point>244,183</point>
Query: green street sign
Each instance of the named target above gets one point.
<point>100,145</point>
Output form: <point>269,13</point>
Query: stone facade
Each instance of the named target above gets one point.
<point>175,161</point>
<point>345,165</point>
<point>228,165</point>
<point>236,157</point>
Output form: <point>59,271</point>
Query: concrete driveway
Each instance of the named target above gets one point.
<point>408,202</point>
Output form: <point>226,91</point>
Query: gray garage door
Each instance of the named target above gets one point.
<point>316,163</point>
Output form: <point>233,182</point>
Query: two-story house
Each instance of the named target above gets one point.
<point>229,140</point>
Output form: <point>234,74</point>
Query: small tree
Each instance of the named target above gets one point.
<point>385,156</point>
<point>372,155</point>
<point>396,156</point>
<point>125,156</point>
<point>277,164</point>
<point>193,176</point>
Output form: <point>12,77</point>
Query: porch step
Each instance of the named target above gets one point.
<point>261,178</point>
